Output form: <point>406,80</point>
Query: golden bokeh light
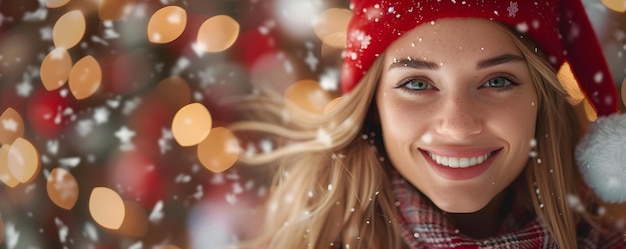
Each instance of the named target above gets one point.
<point>167,24</point>
<point>332,104</point>
<point>135,222</point>
<point>191,124</point>
<point>107,208</point>
<point>330,26</point>
<point>62,188</point>
<point>55,69</point>
<point>219,151</point>
<point>568,81</point>
<point>23,160</point>
<point>56,3</point>
<point>615,5</point>
<point>175,91</point>
<point>5,174</point>
<point>69,29</point>
<point>217,33</point>
<point>624,91</point>
<point>307,96</point>
<point>115,10</point>
<point>11,126</point>
<point>85,77</point>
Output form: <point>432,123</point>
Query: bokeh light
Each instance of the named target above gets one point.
<point>615,5</point>
<point>569,83</point>
<point>107,208</point>
<point>85,77</point>
<point>55,69</point>
<point>11,126</point>
<point>23,160</point>
<point>331,25</point>
<point>69,29</point>
<point>62,188</point>
<point>167,24</point>
<point>217,33</point>
<point>5,174</point>
<point>306,96</point>
<point>191,124</point>
<point>56,3</point>
<point>219,151</point>
<point>115,10</point>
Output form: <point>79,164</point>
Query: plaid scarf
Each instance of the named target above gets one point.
<point>424,226</point>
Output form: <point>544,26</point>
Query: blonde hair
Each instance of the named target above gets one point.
<point>331,184</point>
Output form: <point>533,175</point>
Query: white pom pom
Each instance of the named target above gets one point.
<point>601,157</point>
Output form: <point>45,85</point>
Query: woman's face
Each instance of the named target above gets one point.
<point>458,110</point>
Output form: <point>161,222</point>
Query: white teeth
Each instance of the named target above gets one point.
<point>456,162</point>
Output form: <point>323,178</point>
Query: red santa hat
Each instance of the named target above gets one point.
<point>560,28</point>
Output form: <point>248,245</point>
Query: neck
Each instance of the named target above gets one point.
<point>485,222</point>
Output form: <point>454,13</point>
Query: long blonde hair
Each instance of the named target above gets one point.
<point>332,185</point>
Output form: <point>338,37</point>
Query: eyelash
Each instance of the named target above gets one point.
<point>402,84</point>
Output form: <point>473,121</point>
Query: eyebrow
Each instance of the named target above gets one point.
<point>501,59</point>
<point>415,63</point>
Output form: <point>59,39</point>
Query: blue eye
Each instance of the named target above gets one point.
<point>416,85</point>
<point>498,82</point>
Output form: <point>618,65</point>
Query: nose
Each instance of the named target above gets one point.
<point>459,117</point>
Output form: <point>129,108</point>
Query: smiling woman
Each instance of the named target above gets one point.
<point>453,132</point>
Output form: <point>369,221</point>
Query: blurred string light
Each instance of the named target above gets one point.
<point>56,3</point>
<point>191,124</point>
<point>107,208</point>
<point>55,69</point>
<point>331,25</point>
<point>217,33</point>
<point>85,77</point>
<point>305,98</point>
<point>69,29</point>
<point>219,151</point>
<point>167,24</point>
<point>615,5</point>
<point>22,160</point>
<point>62,188</point>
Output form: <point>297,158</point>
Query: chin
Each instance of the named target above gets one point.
<point>458,205</point>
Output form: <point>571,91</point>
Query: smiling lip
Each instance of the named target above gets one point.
<point>460,163</point>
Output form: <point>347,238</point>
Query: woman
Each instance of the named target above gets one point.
<point>454,132</point>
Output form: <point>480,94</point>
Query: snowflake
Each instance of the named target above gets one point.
<point>125,135</point>
<point>512,9</point>
<point>363,38</point>
<point>10,124</point>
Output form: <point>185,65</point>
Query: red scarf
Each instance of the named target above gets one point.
<point>424,226</point>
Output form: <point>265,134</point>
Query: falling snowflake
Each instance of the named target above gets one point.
<point>362,37</point>
<point>512,9</point>
<point>10,124</point>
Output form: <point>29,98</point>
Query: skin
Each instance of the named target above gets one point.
<point>466,91</point>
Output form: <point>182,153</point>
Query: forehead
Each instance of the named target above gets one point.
<point>454,37</point>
